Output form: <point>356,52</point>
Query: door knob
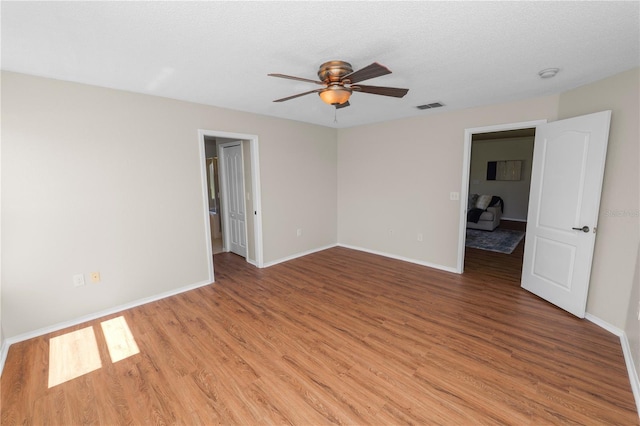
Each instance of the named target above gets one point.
<point>583,229</point>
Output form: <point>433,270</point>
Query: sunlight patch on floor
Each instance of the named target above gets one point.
<point>119,339</point>
<point>73,355</point>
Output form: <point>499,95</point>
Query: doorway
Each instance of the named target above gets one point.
<point>252,193</point>
<point>481,133</point>
<point>566,184</point>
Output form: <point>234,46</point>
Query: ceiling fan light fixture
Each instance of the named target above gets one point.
<point>339,81</point>
<point>335,95</point>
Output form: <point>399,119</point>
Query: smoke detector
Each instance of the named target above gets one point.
<point>548,72</point>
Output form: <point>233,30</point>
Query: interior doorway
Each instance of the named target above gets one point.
<point>478,182</point>
<point>251,193</point>
<point>501,164</point>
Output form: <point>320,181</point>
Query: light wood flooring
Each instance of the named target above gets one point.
<point>344,337</point>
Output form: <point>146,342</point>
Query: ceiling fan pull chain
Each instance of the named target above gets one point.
<point>335,115</point>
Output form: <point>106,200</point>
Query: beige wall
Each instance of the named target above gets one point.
<point>98,179</point>
<point>614,261</point>
<point>398,175</point>
<point>102,180</point>
<point>514,193</point>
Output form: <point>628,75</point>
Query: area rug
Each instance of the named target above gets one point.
<point>500,240</point>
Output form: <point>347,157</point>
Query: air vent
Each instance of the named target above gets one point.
<point>429,106</point>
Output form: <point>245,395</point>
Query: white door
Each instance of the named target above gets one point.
<point>236,232</point>
<point>566,182</point>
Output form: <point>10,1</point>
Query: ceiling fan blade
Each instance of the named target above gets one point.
<point>370,71</point>
<point>344,105</point>
<point>377,90</point>
<point>298,95</point>
<point>290,77</point>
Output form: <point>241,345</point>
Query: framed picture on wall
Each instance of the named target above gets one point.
<point>504,170</point>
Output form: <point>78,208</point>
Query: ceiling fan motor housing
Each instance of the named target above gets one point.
<point>333,71</point>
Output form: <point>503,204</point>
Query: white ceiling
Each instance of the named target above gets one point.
<point>462,54</point>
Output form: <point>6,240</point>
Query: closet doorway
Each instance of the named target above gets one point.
<point>213,180</point>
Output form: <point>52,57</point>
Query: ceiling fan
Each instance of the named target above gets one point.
<point>339,81</point>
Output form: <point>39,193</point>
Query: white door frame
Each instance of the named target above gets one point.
<point>466,166</point>
<point>255,193</point>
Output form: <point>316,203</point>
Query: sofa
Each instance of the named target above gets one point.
<point>484,212</point>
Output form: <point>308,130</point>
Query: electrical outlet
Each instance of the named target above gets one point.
<point>78,280</point>
<point>95,277</point>
<point>299,232</point>
<point>419,237</point>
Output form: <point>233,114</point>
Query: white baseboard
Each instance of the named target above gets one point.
<point>404,259</point>
<point>511,219</point>
<point>392,256</point>
<point>626,351</point>
<point>603,324</point>
<point>90,317</point>
<point>4,350</point>
<point>631,369</point>
<point>297,255</point>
